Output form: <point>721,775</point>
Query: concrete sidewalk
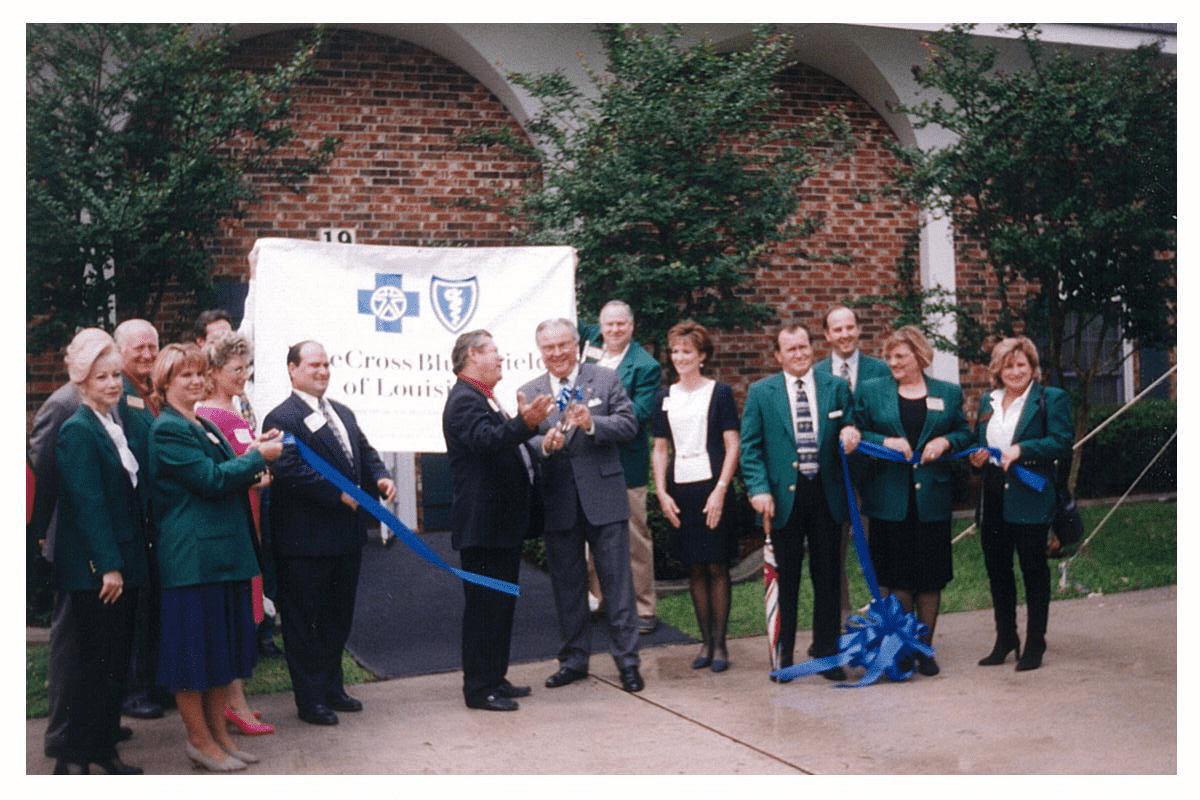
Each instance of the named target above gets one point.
<point>1104,702</point>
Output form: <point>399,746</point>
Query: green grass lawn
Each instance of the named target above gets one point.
<point>1134,550</point>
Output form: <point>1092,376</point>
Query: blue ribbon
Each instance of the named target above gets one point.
<point>886,636</point>
<point>375,509</point>
<point>1026,476</point>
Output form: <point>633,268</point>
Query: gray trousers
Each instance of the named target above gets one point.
<point>609,545</point>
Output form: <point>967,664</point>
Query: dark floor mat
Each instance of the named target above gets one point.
<point>408,618</point>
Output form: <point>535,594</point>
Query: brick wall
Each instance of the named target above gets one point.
<point>400,177</point>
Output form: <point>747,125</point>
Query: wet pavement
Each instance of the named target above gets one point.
<point>1103,703</point>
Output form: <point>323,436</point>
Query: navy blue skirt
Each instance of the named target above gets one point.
<point>207,636</point>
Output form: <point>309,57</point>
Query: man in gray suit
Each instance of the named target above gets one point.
<point>583,488</point>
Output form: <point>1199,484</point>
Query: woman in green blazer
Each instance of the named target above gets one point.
<point>206,555</point>
<point>910,505</point>
<point>1031,425</point>
<point>99,562</point>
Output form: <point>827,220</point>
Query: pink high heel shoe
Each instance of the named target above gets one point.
<point>254,728</point>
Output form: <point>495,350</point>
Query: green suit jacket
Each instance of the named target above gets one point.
<point>99,512</point>
<point>886,484</point>
<point>205,530</point>
<point>1044,439</point>
<point>768,453</point>
<point>868,368</point>
<point>641,376</point>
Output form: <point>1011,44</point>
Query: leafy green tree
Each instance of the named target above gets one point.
<point>1064,172</point>
<point>669,175</point>
<point>139,142</point>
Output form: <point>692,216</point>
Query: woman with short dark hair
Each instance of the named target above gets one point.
<point>696,448</point>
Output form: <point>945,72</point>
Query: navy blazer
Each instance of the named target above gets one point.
<point>490,501</point>
<point>307,516</point>
<point>587,471</point>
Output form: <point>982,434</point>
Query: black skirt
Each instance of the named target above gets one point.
<point>911,555</point>
<point>694,542</point>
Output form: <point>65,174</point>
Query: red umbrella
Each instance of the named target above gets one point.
<point>771,583</point>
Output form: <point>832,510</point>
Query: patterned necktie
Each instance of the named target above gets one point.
<point>846,374</point>
<point>337,434</point>
<point>806,437</point>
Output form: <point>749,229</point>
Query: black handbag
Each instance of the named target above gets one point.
<point>1066,530</point>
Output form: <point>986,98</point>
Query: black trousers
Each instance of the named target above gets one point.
<point>89,656</point>
<point>487,619</point>
<point>999,540</point>
<point>810,522</point>
<point>316,601</point>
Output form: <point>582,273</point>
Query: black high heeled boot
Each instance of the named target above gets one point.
<point>1031,658</point>
<point>1000,650</point>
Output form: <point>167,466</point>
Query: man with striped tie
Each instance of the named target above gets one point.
<point>791,426</point>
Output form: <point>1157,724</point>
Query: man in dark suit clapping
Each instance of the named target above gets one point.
<point>318,533</point>
<point>583,488</point>
<point>492,479</point>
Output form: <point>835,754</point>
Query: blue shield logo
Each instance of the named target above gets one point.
<point>454,302</point>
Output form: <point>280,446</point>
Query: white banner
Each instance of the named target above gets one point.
<point>388,318</point>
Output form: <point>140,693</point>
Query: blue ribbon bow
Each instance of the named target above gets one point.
<point>882,639</point>
<point>375,509</point>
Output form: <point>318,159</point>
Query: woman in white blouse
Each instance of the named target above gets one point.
<point>1029,424</point>
<point>695,453</point>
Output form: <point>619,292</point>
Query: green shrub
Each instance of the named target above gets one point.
<point>1114,457</point>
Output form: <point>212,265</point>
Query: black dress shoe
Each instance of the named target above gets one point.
<point>564,676</point>
<point>927,666</point>
<point>493,702</point>
<point>141,707</point>
<point>124,733</point>
<point>647,625</point>
<point>70,768</point>
<point>834,674</point>
<point>631,679</point>
<point>343,702</point>
<point>506,689</point>
<point>115,766</point>
<point>318,715</point>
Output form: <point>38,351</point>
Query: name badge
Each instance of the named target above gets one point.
<point>133,401</point>
<point>935,404</point>
<point>592,353</point>
<point>593,402</point>
<point>835,414</point>
<point>315,421</point>
<point>243,435</point>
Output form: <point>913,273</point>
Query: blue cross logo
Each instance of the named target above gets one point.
<point>388,303</point>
